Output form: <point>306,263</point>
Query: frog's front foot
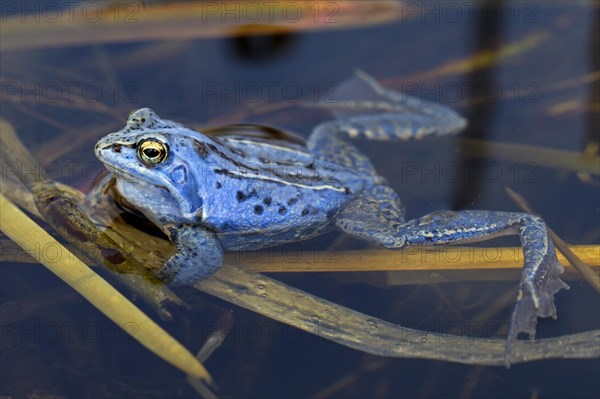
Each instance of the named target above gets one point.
<point>199,254</point>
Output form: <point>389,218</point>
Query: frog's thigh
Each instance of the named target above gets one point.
<point>199,254</point>
<point>329,141</point>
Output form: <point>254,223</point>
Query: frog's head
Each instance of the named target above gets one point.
<point>151,160</point>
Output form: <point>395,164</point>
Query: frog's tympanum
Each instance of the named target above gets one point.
<point>238,192</point>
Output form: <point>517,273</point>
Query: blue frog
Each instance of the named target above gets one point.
<point>242,192</point>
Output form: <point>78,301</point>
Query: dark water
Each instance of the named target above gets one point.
<point>542,91</point>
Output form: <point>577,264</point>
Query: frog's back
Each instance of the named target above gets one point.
<point>270,191</point>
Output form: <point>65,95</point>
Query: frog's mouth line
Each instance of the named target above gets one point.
<point>133,178</point>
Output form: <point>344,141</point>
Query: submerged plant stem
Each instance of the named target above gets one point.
<point>369,334</point>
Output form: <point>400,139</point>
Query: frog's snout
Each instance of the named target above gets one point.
<point>97,148</point>
<point>104,145</point>
<point>100,145</point>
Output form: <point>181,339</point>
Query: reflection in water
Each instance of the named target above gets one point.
<point>255,48</point>
<point>593,111</point>
<point>488,38</point>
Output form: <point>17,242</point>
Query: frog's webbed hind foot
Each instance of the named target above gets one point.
<point>540,278</point>
<point>199,254</point>
<point>538,285</point>
<point>536,295</point>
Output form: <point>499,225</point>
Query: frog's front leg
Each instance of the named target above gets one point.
<point>199,254</point>
<point>374,217</point>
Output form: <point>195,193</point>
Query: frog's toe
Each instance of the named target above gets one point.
<point>547,283</point>
<point>181,270</point>
<point>543,290</point>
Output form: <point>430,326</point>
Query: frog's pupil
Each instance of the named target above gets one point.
<point>151,152</point>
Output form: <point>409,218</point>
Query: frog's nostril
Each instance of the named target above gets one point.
<point>101,148</point>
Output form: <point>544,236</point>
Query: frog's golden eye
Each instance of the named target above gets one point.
<point>152,151</point>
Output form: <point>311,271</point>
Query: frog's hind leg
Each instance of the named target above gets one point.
<point>369,217</point>
<point>366,110</point>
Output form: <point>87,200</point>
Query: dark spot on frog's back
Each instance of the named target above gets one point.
<point>282,210</point>
<point>241,196</point>
<point>200,148</point>
<point>218,185</point>
<point>258,209</point>
<point>292,201</point>
<point>267,201</point>
<point>309,210</point>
